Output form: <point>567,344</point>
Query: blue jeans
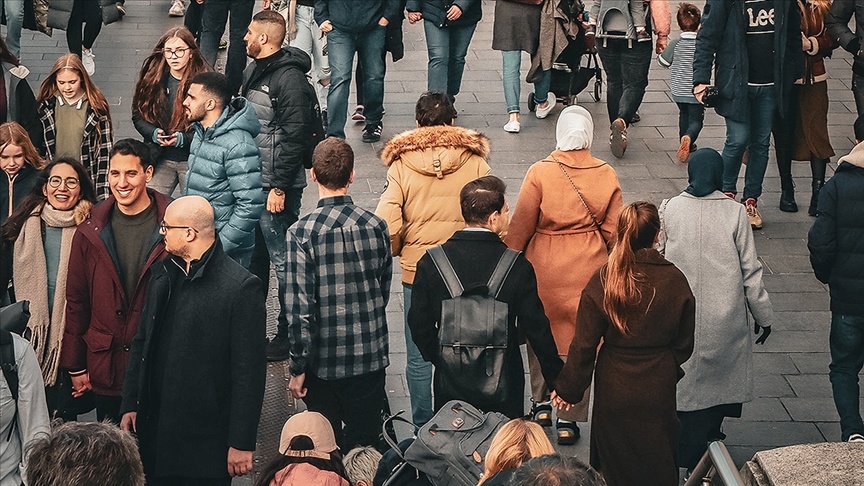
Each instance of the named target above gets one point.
<point>512,64</point>
<point>14,20</point>
<point>447,48</point>
<point>418,372</point>
<point>754,132</point>
<point>847,359</point>
<point>341,47</point>
<point>213,20</point>
<point>626,76</point>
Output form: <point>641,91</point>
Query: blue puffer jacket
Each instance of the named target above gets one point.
<point>225,169</point>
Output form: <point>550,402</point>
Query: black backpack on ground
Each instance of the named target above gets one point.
<point>474,328</point>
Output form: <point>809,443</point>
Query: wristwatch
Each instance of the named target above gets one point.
<point>278,192</point>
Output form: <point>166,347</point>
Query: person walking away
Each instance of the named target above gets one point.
<point>214,17</point>
<point>76,120</point>
<point>836,256</point>
<point>87,16</point>
<point>678,57</point>
<point>837,24</point>
<point>157,106</point>
<point>640,306</point>
<point>731,301</point>
<point>430,163</point>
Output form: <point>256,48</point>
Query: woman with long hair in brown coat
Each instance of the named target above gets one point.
<point>642,309</point>
<point>565,216</point>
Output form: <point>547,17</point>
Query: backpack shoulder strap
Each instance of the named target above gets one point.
<point>7,360</point>
<point>445,269</point>
<point>505,264</point>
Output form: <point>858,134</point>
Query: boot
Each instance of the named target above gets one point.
<point>787,199</point>
<point>814,198</point>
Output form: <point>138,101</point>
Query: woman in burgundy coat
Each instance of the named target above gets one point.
<point>642,308</point>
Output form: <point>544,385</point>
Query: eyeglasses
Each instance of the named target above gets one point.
<point>176,53</point>
<point>70,182</point>
<point>164,227</point>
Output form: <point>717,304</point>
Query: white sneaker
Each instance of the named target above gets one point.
<point>178,9</point>
<point>512,127</point>
<point>87,58</point>
<point>856,438</point>
<point>550,103</point>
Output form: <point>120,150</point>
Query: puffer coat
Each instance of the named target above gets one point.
<point>225,169</point>
<point>59,12</point>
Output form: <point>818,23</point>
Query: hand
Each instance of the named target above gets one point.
<point>454,13</point>
<point>129,422</point>
<point>168,140</point>
<point>805,43</point>
<point>265,4</point>
<point>275,204</point>
<point>414,17</point>
<point>662,42</point>
<point>559,402</point>
<point>81,385</point>
<point>699,91</point>
<point>326,26</point>
<point>383,22</point>
<point>295,384</point>
<point>766,331</point>
<point>239,462</point>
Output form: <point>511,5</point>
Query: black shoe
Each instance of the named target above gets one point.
<point>372,133</point>
<point>636,118</point>
<point>568,432</point>
<point>787,200</point>
<point>814,198</point>
<point>542,414</point>
<point>277,348</point>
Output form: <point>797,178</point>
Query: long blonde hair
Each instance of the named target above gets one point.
<point>97,100</point>
<point>11,133</point>
<point>516,442</point>
<point>638,225</point>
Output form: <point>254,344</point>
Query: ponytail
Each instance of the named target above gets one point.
<point>638,225</point>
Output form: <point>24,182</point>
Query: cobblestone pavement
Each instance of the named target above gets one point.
<point>793,395</point>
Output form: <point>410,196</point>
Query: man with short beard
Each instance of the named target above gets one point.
<point>275,84</point>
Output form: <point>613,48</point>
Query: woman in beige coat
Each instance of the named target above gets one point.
<point>564,218</point>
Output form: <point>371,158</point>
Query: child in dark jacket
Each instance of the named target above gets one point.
<point>678,57</point>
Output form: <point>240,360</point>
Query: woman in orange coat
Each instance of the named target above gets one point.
<point>564,218</point>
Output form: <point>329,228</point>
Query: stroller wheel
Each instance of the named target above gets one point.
<point>532,105</point>
<point>598,90</point>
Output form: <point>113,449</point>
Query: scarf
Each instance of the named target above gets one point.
<point>575,129</point>
<point>705,171</point>
<point>30,274</point>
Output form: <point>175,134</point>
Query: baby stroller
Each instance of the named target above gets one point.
<point>576,66</point>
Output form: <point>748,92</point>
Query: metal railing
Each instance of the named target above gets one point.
<point>716,463</point>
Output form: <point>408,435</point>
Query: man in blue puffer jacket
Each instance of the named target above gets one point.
<point>224,163</point>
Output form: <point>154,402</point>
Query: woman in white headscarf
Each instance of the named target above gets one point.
<point>564,221</point>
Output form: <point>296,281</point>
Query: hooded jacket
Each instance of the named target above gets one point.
<point>427,168</point>
<point>283,100</point>
<point>836,240</point>
<point>225,169</point>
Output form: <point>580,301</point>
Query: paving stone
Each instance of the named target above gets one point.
<point>764,410</point>
<point>791,282</point>
<point>819,409</point>
<point>769,434</point>
<point>803,320</point>
<point>803,301</point>
<point>771,386</point>
<point>796,342</point>
<point>810,386</point>
<point>815,362</point>
<point>830,430</point>
<point>773,363</point>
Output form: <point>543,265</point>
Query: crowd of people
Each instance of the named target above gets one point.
<point>151,309</point>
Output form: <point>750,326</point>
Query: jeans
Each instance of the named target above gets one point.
<point>858,92</point>
<point>418,372</point>
<point>167,175</point>
<point>783,129</point>
<point>754,133</point>
<point>271,247</point>
<point>626,76</point>
<point>847,358</point>
<point>213,21</point>
<point>512,64</point>
<point>355,401</point>
<point>447,48</point>
<point>14,10</point>
<point>310,40</point>
<point>690,119</point>
<point>341,47</point>
<point>83,12</point>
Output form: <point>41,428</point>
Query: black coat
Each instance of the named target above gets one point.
<point>21,103</point>
<point>59,12</point>
<point>18,188</point>
<point>435,11</point>
<point>474,255</point>
<point>721,43</point>
<point>283,100</point>
<point>353,16</point>
<point>836,240</point>
<point>200,393</point>
<point>837,24</point>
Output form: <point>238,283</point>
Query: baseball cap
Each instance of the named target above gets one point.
<point>312,425</point>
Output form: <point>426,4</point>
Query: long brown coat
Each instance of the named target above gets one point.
<point>557,234</point>
<point>634,429</point>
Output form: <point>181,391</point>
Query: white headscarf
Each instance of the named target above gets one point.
<point>575,129</point>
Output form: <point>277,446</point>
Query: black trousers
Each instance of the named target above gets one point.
<point>690,119</point>
<point>699,428</point>
<point>176,481</point>
<point>88,14</point>
<point>356,401</point>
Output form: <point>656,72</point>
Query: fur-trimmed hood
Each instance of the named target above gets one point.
<point>437,150</point>
<point>855,157</point>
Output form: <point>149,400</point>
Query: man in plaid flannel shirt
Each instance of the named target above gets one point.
<point>338,273</point>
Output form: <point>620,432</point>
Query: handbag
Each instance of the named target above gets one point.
<point>579,193</point>
<point>527,2</point>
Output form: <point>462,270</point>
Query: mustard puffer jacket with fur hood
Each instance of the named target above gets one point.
<point>427,167</point>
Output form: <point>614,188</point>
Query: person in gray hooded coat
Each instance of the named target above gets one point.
<point>730,301</point>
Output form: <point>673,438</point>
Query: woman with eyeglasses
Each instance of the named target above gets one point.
<point>36,242</point>
<point>76,121</point>
<point>157,105</point>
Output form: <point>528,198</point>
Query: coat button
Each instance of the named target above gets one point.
<point>126,348</point>
<point>119,312</point>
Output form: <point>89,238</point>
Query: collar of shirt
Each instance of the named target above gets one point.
<point>335,201</point>
<point>478,229</point>
<point>62,101</point>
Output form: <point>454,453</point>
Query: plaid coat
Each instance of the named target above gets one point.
<point>95,144</point>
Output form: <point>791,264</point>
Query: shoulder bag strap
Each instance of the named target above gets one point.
<point>578,193</point>
<point>445,269</point>
<point>505,264</point>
